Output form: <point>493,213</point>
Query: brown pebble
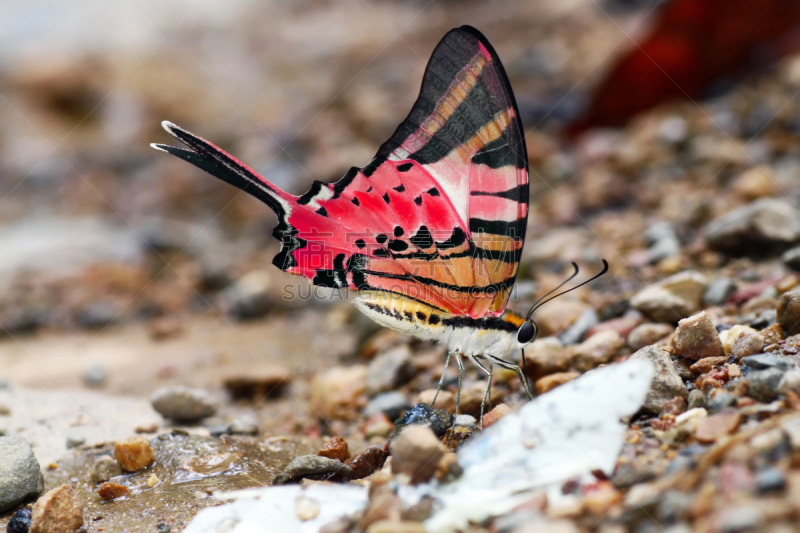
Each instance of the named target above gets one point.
<point>675,406</point>
<point>367,462</point>
<point>706,365</point>
<point>111,491</point>
<point>598,502</point>
<point>717,426</point>
<point>598,349</point>
<point>446,399</point>
<point>57,511</point>
<point>647,334</point>
<point>622,325</point>
<point>696,338</point>
<point>133,453</point>
<point>150,427</point>
<point>495,414</point>
<point>416,452</point>
<point>166,327</point>
<point>338,392</point>
<point>552,381</point>
<point>267,384</point>
<point>789,313</point>
<point>335,448</point>
<point>378,425</point>
<point>448,468</point>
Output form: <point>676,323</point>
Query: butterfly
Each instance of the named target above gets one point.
<point>430,232</point>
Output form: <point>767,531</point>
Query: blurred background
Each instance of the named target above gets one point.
<point>125,268</point>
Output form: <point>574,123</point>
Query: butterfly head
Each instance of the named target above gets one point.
<point>527,333</point>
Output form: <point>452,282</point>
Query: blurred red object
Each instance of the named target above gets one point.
<point>693,44</point>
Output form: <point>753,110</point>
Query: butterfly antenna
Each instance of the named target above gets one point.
<point>536,303</point>
<point>540,301</point>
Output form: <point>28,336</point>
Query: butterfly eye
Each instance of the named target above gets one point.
<point>526,332</point>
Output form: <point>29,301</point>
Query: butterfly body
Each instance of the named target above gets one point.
<point>467,336</point>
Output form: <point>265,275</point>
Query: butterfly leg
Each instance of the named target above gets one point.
<point>488,387</point>
<point>460,363</point>
<point>441,379</point>
<point>517,370</point>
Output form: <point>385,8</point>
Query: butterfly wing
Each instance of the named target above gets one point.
<point>438,215</point>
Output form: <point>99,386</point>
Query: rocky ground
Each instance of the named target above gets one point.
<point>137,298</point>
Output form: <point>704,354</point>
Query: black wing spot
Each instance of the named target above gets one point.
<point>322,211</point>
<point>397,245</point>
<point>409,316</point>
<point>381,252</point>
<point>433,191</point>
<point>398,231</point>
<point>355,201</point>
<point>370,189</point>
<point>382,238</point>
<point>418,200</point>
<point>434,319</point>
<point>405,167</point>
<point>457,238</point>
<point>421,315</point>
<point>400,188</point>
<point>423,238</point>
<point>386,198</point>
<point>360,243</point>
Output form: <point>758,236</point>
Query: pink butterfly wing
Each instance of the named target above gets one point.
<point>438,215</point>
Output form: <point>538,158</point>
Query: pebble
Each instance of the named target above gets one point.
<point>256,386</point>
<point>789,313</point>
<point>790,382</point>
<point>392,404</point>
<point>247,424</point>
<point>707,364</point>
<point>316,468</point>
<point>95,375</point>
<point>20,474</point>
<point>184,404</point>
<point>495,414</point>
<point>740,519</point>
<point>662,239</point>
<point>648,334</point>
<point>57,511</point>
<point>720,400</point>
<point>598,349</point>
<point>671,299</point>
<point>378,425</point>
<point>335,448</point>
<point>544,356</point>
<point>423,414</point>
<point>666,382</point>
<point>248,297</point>
<point>622,325</point>
<point>558,315</point>
<point>338,392</point>
<point>153,480</point>
<point>741,341</point>
<point>770,480</point>
<point>575,333</point>
<point>367,462</point>
<point>763,384</point>
<point>759,226</point>
<point>20,522</point>
<point>791,258</point>
<point>73,441</point>
<point>416,452</point>
<point>133,453</point>
<point>111,491</point>
<point>98,314</point>
<point>697,338</point>
<point>765,361</point>
<point>718,425</point>
<point>696,399</point>
<point>389,370</point>
<point>552,381</point>
<point>467,421</point>
<point>718,291</point>
<point>104,468</point>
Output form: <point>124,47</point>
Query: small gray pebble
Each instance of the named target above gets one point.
<point>95,375</point>
<point>770,480</point>
<point>393,404</point>
<point>246,424</point>
<point>697,399</point>
<point>184,404</point>
<point>575,333</point>
<point>104,468</point>
<point>20,473</point>
<point>718,291</point>
<point>73,441</point>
